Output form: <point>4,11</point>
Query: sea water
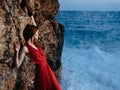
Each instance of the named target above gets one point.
<point>91,51</point>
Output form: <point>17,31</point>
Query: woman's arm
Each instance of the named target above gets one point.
<point>20,54</point>
<point>33,20</point>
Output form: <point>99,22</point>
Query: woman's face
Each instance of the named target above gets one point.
<point>36,34</point>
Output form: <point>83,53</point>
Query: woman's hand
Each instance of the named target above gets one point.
<point>17,46</point>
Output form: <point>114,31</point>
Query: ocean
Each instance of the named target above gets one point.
<point>91,51</point>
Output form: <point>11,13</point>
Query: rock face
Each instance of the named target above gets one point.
<point>14,16</point>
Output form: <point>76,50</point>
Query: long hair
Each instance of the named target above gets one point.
<point>28,32</point>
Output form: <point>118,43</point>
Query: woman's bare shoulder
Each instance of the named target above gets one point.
<point>25,49</point>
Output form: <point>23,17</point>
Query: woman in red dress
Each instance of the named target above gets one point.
<point>44,77</point>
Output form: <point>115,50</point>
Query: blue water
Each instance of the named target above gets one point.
<point>91,52</point>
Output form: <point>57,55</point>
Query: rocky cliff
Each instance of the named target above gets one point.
<point>14,15</point>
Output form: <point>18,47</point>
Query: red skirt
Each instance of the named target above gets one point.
<point>45,78</point>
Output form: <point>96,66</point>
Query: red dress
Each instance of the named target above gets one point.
<point>44,77</point>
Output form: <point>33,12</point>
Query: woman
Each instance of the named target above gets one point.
<point>44,77</point>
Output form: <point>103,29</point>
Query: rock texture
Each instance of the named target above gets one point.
<point>14,15</point>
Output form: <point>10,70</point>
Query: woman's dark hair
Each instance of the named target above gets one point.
<point>28,32</point>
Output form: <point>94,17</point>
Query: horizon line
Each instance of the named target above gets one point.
<point>93,10</point>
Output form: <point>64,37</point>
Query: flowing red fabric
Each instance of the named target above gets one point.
<point>44,77</point>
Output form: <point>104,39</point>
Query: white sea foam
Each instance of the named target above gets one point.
<point>90,69</point>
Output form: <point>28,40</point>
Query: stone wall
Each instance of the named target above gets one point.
<point>14,16</point>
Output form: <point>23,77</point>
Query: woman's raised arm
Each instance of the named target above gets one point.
<point>33,20</point>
